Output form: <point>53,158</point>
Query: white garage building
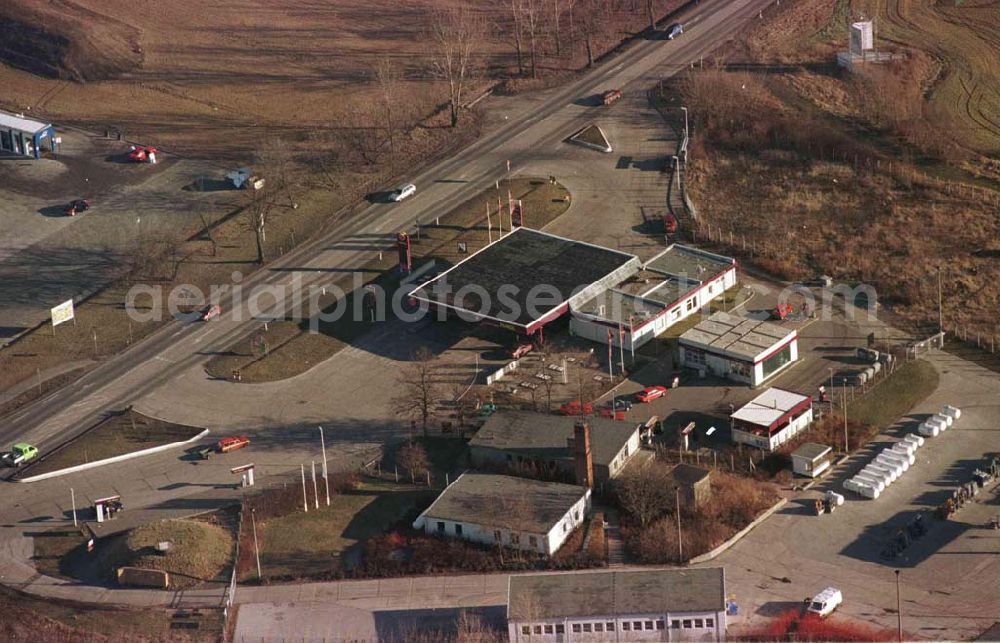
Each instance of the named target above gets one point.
<point>737,348</point>
<point>671,286</point>
<point>771,419</point>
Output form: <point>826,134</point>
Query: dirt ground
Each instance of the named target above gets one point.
<point>882,176</point>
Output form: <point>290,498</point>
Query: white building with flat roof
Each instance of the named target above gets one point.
<point>737,348</point>
<point>771,419</point>
<point>643,605</point>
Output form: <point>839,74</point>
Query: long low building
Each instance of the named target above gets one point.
<point>545,441</point>
<point>670,287</point>
<point>737,348</point>
<point>655,605</point>
<point>504,510</point>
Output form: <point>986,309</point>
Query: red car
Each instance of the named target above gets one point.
<point>225,445</point>
<point>651,393</point>
<point>143,154</point>
<point>209,312</point>
<point>611,96</point>
<point>521,350</point>
<point>575,408</point>
<point>79,205</point>
<point>781,312</point>
<point>608,412</point>
<point>669,223</point>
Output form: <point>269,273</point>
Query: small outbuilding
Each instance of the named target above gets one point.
<point>695,484</point>
<point>771,419</point>
<point>25,136</point>
<point>811,459</point>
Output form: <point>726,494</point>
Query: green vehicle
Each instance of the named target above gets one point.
<point>19,454</point>
<point>487,409</point>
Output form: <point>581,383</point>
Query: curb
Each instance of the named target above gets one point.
<point>704,558</point>
<point>117,458</point>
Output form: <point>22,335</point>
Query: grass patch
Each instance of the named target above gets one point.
<point>27,618</point>
<point>121,433</point>
<point>302,545</point>
<point>199,551</point>
<point>293,348</point>
<point>894,397</point>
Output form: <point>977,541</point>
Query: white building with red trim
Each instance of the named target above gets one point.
<point>737,348</point>
<point>673,285</point>
<point>771,419</point>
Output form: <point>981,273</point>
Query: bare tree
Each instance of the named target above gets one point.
<point>592,25</point>
<point>515,12</point>
<point>646,493</point>
<point>419,388</point>
<point>454,37</point>
<point>259,207</point>
<point>557,7</point>
<point>388,77</point>
<point>531,10</point>
<point>413,458</point>
<point>649,14</point>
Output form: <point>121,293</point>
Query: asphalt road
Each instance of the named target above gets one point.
<point>154,361</point>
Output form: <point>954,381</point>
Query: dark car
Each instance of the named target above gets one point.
<point>79,205</point>
<point>622,404</point>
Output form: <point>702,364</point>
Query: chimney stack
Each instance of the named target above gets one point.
<point>583,460</point>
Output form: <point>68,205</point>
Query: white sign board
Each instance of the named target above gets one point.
<point>62,313</point>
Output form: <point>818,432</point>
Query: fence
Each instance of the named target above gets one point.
<point>227,610</point>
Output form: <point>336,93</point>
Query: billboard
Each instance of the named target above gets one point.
<point>62,313</point>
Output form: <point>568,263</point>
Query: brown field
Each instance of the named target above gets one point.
<point>883,176</point>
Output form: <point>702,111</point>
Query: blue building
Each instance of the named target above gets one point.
<point>24,136</point>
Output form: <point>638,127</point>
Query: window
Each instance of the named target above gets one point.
<point>515,539</point>
<point>709,622</point>
<point>576,627</point>
<point>626,626</point>
<point>538,629</point>
<point>779,359</point>
<point>675,624</point>
<point>689,304</point>
<point>565,528</point>
<point>687,624</point>
<point>649,625</point>
<point>440,527</point>
<point>548,629</point>
<point>636,626</point>
<point>598,627</point>
<point>660,625</point>
<point>458,529</point>
<point>587,627</point>
<point>699,623</point>
<point>533,541</point>
<point>560,628</point>
<point>609,626</point>
<point>576,515</point>
<point>526,630</point>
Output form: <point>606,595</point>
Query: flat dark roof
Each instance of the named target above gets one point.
<point>543,436</point>
<point>599,594</point>
<point>520,262</point>
<point>688,474</point>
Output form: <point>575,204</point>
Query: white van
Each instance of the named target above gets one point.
<point>825,602</point>
<point>402,192</point>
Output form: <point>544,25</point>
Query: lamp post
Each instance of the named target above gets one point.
<point>685,110</point>
<point>899,613</point>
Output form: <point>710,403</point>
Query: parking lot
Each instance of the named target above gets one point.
<point>47,257</point>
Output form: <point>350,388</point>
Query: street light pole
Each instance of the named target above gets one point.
<point>686,133</point>
<point>256,548</point>
<point>843,390</point>
<point>326,479</point>
<point>899,613</point>
<point>940,307</point>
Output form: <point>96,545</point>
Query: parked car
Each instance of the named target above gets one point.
<point>826,601</point>
<point>576,408</point>
<point>487,409</point>
<point>521,350</point>
<point>611,414</point>
<point>402,192</point>
<point>611,96</point>
<point>669,223</point>
<point>674,30</point>
<point>651,393</point>
<point>77,205</point>
<point>232,443</point>
<point>19,454</point>
<point>142,154</point>
<point>622,404</point>
<point>209,312</point>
